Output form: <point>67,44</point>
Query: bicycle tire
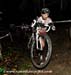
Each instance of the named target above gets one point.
<point>48,40</point>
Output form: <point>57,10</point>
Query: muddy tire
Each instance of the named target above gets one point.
<point>48,53</point>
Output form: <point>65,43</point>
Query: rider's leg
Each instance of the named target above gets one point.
<point>42,42</point>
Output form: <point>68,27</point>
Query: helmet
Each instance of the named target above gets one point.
<point>45,10</point>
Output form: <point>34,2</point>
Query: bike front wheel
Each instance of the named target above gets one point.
<point>40,58</point>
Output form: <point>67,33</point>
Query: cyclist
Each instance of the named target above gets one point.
<point>46,20</point>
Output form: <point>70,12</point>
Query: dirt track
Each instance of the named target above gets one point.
<point>60,63</point>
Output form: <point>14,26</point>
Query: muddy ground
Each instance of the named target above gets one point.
<point>60,63</point>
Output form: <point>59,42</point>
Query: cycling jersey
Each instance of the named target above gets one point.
<point>45,22</point>
<point>40,20</point>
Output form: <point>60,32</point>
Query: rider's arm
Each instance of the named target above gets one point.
<point>33,23</point>
<point>51,24</point>
<point>38,20</point>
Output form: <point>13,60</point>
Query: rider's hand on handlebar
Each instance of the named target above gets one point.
<point>53,28</point>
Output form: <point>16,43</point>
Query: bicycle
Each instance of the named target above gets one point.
<point>40,57</point>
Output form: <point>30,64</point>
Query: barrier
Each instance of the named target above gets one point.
<point>64,21</point>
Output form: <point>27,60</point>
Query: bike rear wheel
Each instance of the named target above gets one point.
<point>40,58</point>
